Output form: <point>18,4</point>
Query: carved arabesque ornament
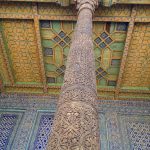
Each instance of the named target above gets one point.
<point>76,121</point>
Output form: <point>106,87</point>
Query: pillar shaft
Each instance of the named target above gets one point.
<point>76,122</point>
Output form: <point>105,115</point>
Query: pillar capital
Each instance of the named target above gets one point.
<point>86,4</point>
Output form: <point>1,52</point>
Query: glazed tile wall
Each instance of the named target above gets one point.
<point>124,125</point>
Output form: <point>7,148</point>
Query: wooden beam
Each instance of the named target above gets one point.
<point>131,1</point>
<point>1,84</point>
<point>68,2</point>
<point>11,77</point>
<point>140,94</point>
<point>72,18</point>
<point>24,85</point>
<point>142,19</point>
<point>112,19</point>
<point>39,46</point>
<point>59,87</point>
<point>16,16</point>
<point>109,3</point>
<point>138,91</point>
<point>107,89</point>
<point>69,18</point>
<point>61,2</point>
<point>126,49</point>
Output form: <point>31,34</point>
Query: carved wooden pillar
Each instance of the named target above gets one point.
<point>76,122</point>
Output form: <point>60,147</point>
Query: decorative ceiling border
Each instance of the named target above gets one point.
<point>106,3</point>
<point>72,18</point>
<point>103,93</point>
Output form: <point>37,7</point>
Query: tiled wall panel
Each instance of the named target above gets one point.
<point>124,125</point>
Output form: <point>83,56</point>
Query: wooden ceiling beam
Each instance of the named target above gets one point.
<point>71,18</point>
<point>69,2</point>
<point>126,49</point>
<point>1,84</point>
<point>131,1</point>
<point>109,3</point>
<point>142,19</point>
<point>10,73</point>
<point>135,91</point>
<point>59,87</point>
<point>16,16</point>
<point>39,46</point>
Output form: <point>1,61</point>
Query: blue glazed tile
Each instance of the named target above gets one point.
<point>44,130</point>
<point>139,135</point>
<point>7,124</point>
<point>124,125</point>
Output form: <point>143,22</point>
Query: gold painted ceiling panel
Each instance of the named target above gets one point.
<point>11,7</point>
<point>21,47</point>
<point>46,9</point>
<point>35,40</point>
<point>137,70</point>
<point>122,10</point>
<point>143,11</point>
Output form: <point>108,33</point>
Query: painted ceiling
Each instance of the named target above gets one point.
<point>35,40</point>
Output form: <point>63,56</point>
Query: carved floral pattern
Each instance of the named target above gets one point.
<point>76,121</point>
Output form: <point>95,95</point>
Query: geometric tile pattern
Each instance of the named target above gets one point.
<point>139,135</point>
<point>7,124</point>
<point>56,38</point>
<point>118,132</point>
<point>44,130</point>
<point>108,38</point>
<point>124,125</point>
<point>119,129</point>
